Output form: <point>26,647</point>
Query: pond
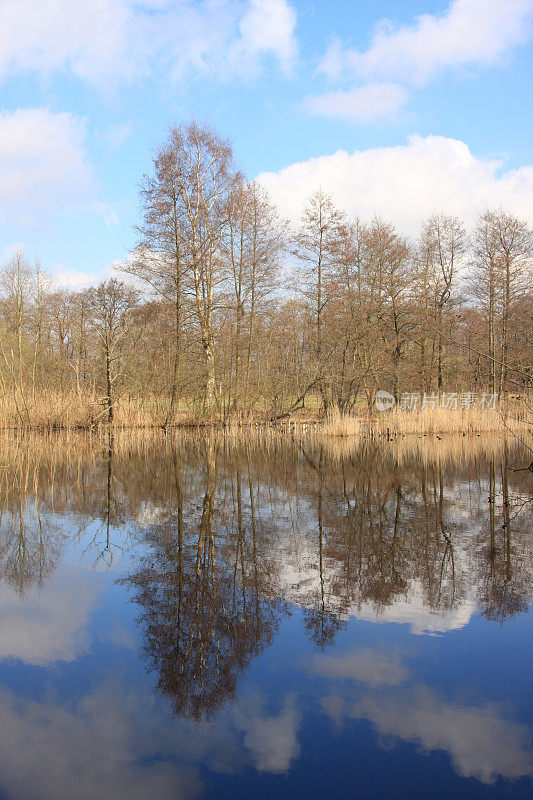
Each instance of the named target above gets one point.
<point>201,616</point>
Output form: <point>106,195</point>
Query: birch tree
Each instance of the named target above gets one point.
<point>112,303</point>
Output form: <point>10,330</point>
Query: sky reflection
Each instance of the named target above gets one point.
<point>227,618</point>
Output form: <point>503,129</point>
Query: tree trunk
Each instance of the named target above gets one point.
<point>109,398</point>
<point>210,376</point>
<point>492,355</point>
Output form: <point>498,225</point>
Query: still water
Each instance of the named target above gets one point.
<point>188,617</point>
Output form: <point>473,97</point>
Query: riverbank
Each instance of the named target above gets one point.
<point>54,411</point>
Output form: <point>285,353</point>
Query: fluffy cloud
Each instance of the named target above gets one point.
<point>272,741</point>
<point>49,626</point>
<point>105,740</point>
<point>406,183</point>
<point>125,39</point>
<point>470,32</point>
<point>412,610</point>
<point>480,740</point>
<point>267,26</point>
<point>76,279</point>
<point>122,741</point>
<point>481,743</point>
<point>374,101</point>
<point>43,164</point>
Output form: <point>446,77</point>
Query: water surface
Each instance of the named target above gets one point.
<point>204,617</point>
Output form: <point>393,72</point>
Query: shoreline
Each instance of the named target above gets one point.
<point>55,412</point>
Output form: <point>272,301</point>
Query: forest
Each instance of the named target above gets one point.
<point>224,312</point>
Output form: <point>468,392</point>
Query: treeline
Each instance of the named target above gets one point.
<point>223,310</point>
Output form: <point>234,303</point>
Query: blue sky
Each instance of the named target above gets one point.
<point>396,108</point>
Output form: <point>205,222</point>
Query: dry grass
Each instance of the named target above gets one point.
<point>514,420</point>
<point>67,411</point>
<point>47,411</point>
<point>62,411</point>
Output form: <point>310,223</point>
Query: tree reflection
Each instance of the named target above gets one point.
<point>201,604</point>
<point>30,542</point>
<point>322,624</point>
<point>506,583</point>
<point>101,545</point>
<point>229,534</point>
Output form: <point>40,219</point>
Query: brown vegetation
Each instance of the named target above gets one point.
<point>233,318</point>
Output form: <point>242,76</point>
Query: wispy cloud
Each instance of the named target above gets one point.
<point>469,33</point>
<point>116,135</point>
<point>108,214</point>
<point>364,104</point>
<point>363,666</point>
<point>43,164</point>
<point>127,40</point>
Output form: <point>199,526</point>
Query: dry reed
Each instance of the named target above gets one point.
<point>510,420</point>
<point>67,411</point>
<point>63,411</point>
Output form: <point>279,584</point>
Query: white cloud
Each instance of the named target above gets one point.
<point>364,666</point>
<point>366,103</point>
<point>406,183</point>
<point>43,164</point>
<point>469,33</point>
<point>268,26</point>
<point>271,740</point>
<point>7,252</point>
<point>87,38</point>
<point>76,279</point>
<point>126,745</point>
<point>224,39</point>
<point>49,626</point>
<point>104,745</point>
<point>79,279</point>
<point>412,610</point>
<point>108,214</point>
<point>114,40</point>
<point>481,743</point>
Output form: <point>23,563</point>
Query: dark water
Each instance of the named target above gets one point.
<point>203,618</point>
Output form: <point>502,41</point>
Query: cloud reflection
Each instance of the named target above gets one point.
<point>365,665</point>
<point>126,744</point>
<point>52,625</point>
<point>479,740</point>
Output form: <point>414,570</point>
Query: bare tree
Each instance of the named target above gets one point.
<point>502,264</point>
<point>159,260</point>
<point>205,185</point>
<point>112,303</point>
<point>389,257</point>
<point>316,244</point>
<point>252,248</point>
<point>442,246</point>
